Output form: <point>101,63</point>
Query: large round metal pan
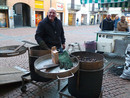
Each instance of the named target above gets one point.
<point>54,72</point>
<point>8,51</point>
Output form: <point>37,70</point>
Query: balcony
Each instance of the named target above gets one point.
<point>73,7</point>
<point>94,10</point>
<point>105,9</point>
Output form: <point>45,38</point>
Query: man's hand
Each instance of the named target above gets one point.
<point>43,45</point>
<point>63,46</point>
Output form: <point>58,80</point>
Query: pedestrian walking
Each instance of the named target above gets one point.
<point>97,21</point>
<point>77,21</point>
<point>107,24</point>
<point>91,21</point>
<point>50,32</point>
<point>122,25</point>
<point>117,19</point>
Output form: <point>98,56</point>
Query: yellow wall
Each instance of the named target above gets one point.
<point>10,3</point>
<point>46,6</point>
<point>39,4</point>
<point>31,3</point>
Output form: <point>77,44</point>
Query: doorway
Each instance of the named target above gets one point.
<point>60,16</point>
<point>84,19</point>
<point>38,17</point>
<point>21,15</point>
<point>3,18</point>
<point>71,20</point>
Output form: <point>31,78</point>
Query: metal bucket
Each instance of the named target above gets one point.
<point>87,82</point>
<point>89,65</point>
<point>35,53</point>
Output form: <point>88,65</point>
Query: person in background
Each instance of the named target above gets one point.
<point>122,25</point>
<point>77,21</point>
<point>91,21</point>
<point>50,32</point>
<point>117,19</point>
<point>97,21</point>
<point>107,24</point>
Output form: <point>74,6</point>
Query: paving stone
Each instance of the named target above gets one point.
<point>113,86</point>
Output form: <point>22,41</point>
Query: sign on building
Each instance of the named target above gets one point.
<point>59,6</point>
<point>39,4</point>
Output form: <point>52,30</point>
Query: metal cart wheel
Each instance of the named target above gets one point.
<point>23,88</point>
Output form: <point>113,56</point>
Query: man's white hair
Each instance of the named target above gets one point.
<point>52,8</point>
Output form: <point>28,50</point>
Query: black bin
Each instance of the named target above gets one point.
<point>34,53</point>
<point>87,82</point>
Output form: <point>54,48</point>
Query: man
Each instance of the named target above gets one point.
<point>117,19</point>
<point>122,25</point>
<point>50,32</point>
<point>107,24</point>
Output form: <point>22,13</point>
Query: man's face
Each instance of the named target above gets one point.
<point>122,18</point>
<point>108,16</point>
<point>117,17</point>
<point>51,15</point>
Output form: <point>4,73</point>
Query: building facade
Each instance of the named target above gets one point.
<point>28,13</point>
<point>86,13</point>
<point>21,13</point>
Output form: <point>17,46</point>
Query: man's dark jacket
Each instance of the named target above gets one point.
<point>108,24</point>
<point>51,34</point>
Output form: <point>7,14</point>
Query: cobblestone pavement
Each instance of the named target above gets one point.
<point>113,86</point>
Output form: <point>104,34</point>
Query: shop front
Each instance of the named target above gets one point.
<point>39,12</point>
<point>92,19</point>
<point>84,19</point>
<point>71,19</point>
<point>38,17</point>
<point>4,17</point>
<point>60,16</point>
<point>60,9</point>
<point>128,18</point>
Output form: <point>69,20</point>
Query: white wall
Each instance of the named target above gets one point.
<point>66,13</point>
<point>11,21</point>
<point>83,10</point>
<point>32,16</point>
<point>115,11</point>
<point>77,2</point>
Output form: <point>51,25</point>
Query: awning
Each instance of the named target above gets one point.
<point>109,3</point>
<point>106,1</point>
<point>116,4</point>
<point>3,7</point>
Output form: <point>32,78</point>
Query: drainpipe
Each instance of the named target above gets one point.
<point>50,3</point>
